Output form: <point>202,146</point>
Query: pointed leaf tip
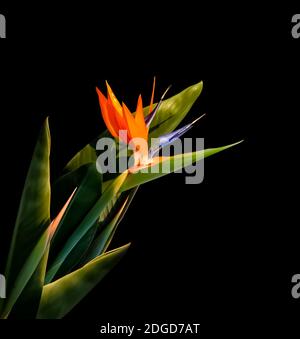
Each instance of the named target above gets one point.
<point>57,219</point>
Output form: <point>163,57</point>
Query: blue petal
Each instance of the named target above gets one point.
<point>151,115</point>
<point>167,139</point>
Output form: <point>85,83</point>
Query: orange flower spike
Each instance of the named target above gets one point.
<point>114,100</point>
<point>140,120</point>
<point>109,119</point>
<point>118,118</point>
<point>132,128</point>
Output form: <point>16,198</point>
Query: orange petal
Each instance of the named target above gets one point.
<point>152,96</point>
<point>114,100</point>
<point>53,226</point>
<point>132,130</point>
<point>140,119</point>
<point>118,119</point>
<point>111,126</point>
<point>139,109</point>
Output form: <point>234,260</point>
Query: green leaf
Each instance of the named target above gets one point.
<point>28,269</point>
<point>77,253</point>
<point>87,223</point>
<point>28,302</point>
<point>173,110</point>
<point>27,305</point>
<point>88,182</point>
<point>86,155</point>
<point>175,163</point>
<point>62,295</point>
<point>32,220</point>
<point>103,240</point>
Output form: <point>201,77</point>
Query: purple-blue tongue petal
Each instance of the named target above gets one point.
<point>167,139</point>
<point>151,115</point>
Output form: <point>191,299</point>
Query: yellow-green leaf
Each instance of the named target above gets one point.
<point>175,163</point>
<point>60,296</point>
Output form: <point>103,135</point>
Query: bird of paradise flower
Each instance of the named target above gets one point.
<point>55,259</point>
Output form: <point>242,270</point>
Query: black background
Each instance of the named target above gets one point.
<point>223,252</point>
